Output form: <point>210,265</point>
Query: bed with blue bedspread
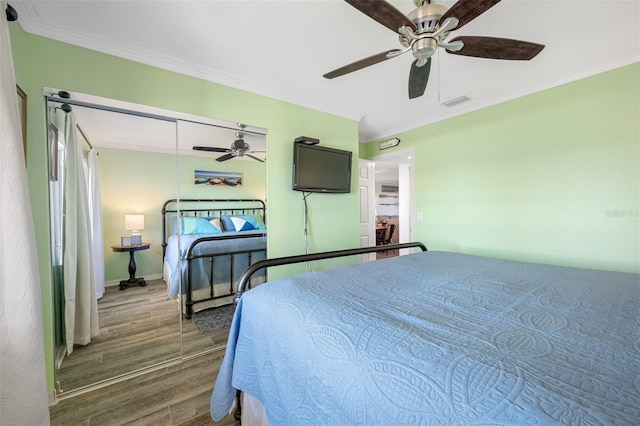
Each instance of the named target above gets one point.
<point>438,338</point>
<point>207,244</point>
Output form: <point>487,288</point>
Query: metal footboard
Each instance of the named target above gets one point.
<point>243,283</point>
<point>228,263</point>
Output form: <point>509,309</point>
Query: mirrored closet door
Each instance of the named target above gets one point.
<point>112,168</point>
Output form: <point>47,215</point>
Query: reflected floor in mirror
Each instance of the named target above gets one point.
<point>176,395</point>
<point>138,328</point>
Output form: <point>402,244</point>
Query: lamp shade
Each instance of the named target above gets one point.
<point>134,223</point>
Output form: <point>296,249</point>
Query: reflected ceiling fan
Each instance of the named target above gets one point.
<point>239,148</point>
<point>427,28</point>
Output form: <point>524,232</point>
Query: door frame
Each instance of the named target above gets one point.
<point>406,192</point>
<point>367,205</point>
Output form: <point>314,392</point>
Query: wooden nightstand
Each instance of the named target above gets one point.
<point>132,264</point>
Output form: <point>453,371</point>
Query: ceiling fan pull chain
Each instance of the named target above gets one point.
<point>439,75</point>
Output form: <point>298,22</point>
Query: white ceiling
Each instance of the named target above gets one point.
<point>281,49</point>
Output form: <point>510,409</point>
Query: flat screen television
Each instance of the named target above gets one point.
<point>320,169</point>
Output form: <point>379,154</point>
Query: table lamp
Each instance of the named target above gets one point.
<point>134,223</point>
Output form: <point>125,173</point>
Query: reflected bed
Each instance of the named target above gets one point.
<point>207,244</point>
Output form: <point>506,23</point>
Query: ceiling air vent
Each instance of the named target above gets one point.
<point>456,101</point>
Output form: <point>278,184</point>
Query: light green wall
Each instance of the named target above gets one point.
<point>134,182</point>
<point>552,177</point>
<point>41,62</point>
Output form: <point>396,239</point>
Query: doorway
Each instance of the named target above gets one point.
<point>394,195</point>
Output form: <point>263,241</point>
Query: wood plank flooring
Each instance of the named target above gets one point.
<point>176,395</point>
<point>140,328</point>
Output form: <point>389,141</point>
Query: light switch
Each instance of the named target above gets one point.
<point>419,218</point>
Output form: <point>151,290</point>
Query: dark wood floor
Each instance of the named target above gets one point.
<point>139,328</point>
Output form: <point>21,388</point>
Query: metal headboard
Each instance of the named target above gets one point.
<point>214,207</point>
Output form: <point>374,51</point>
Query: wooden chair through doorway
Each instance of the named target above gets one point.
<point>380,236</point>
<point>388,239</point>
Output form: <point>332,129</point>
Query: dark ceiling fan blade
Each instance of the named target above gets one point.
<point>497,48</point>
<point>467,10</point>
<point>255,158</point>
<point>383,12</point>
<point>210,149</point>
<point>418,78</point>
<point>225,157</point>
<point>358,65</point>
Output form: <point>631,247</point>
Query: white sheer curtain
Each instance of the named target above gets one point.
<point>81,306</point>
<point>95,213</point>
<point>23,386</point>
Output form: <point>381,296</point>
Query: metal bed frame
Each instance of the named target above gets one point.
<point>211,208</point>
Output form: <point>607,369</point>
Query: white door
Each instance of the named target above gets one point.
<point>367,184</point>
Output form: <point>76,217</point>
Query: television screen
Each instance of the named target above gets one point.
<point>320,169</point>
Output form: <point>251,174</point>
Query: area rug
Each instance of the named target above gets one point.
<point>213,319</point>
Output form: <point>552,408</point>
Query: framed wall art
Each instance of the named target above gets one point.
<point>203,177</point>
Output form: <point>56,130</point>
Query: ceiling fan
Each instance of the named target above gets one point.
<point>239,148</point>
<point>427,28</point>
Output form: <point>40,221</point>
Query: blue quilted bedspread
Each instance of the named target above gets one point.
<point>438,338</point>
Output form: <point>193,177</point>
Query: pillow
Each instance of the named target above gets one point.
<point>215,221</point>
<point>242,223</point>
<point>198,225</point>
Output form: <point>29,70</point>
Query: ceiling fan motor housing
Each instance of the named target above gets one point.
<point>426,17</point>
<point>240,145</point>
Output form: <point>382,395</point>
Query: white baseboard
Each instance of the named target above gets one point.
<point>51,396</point>
<point>146,277</point>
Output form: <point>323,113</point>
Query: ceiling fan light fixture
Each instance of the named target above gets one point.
<point>424,48</point>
